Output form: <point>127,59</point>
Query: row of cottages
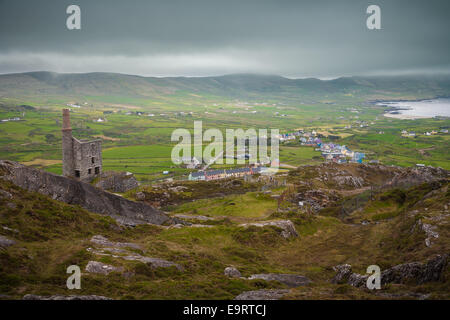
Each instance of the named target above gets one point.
<point>223,173</point>
<point>339,154</point>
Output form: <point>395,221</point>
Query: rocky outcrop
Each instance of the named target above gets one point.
<point>102,241</point>
<point>193,217</point>
<point>232,272</point>
<point>316,199</point>
<point>343,273</point>
<point>291,280</point>
<point>61,297</point>
<point>101,268</point>
<point>119,250</point>
<point>408,272</point>
<point>5,194</point>
<point>5,242</point>
<point>153,262</point>
<point>430,232</point>
<point>348,181</point>
<point>264,294</point>
<point>415,176</point>
<point>75,192</point>
<point>288,228</point>
<point>116,181</point>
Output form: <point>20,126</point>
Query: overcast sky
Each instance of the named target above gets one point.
<point>314,38</point>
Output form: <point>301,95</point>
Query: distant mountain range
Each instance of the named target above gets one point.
<point>49,86</point>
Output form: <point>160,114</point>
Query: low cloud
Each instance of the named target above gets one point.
<point>295,39</point>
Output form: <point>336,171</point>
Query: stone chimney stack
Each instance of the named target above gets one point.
<point>66,120</point>
<point>67,146</point>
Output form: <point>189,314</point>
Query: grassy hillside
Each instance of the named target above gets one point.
<point>50,87</point>
<point>51,236</point>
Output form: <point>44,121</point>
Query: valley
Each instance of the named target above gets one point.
<point>286,236</point>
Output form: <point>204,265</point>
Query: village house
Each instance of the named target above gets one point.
<point>214,174</point>
<point>339,154</point>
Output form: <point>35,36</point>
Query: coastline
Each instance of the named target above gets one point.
<point>395,112</point>
<point>404,116</point>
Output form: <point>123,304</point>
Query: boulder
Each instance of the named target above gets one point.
<point>232,272</point>
<point>264,294</point>
<point>348,181</point>
<point>343,272</point>
<point>140,196</point>
<point>407,272</point>
<point>5,194</point>
<point>291,280</point>
<point>153,262</point>
<point>101,268</point>
<point>5,242</point>
<point>288,228</point>
<point>102,241</point>
<point>416,271</point>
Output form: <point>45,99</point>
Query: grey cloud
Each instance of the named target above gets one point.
<point>204,37</point>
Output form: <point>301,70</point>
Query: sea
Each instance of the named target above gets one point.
<point>423,108</point>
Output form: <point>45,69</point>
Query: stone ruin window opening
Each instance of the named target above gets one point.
<point>97,170</point>
<point>93,160</point>
<point>89,171</point>
<point>77,173</point>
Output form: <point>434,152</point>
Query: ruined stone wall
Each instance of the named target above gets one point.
<point>88,158</point>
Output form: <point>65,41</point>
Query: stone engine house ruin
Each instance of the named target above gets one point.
<point>82,159</point>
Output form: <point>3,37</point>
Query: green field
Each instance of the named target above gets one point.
<point>141,143</point>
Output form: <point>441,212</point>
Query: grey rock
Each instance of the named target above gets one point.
<point>101,268</point>
<point>343,272</point>
<point>117,181</point>
<point>291,280</point>
<point>201,226</point>
<point>433,269</point>
<point>76,192</point>
<point>140,196</point>
<point>232,272</point>
<point>176,226</point>
<point>357,280</point>
<point>5,242</point>
<point>413,271</point>
<point>102,241</point>
<point>11,205</point>
<point>153,262</point>
<point>10,229</point>
<point>288,228</point>
<point>5,194</point>
<point>118,248</point>
<point>431,233</point>
<point>61,297</point>
<point>264,294</point>
<point>350,181</point>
